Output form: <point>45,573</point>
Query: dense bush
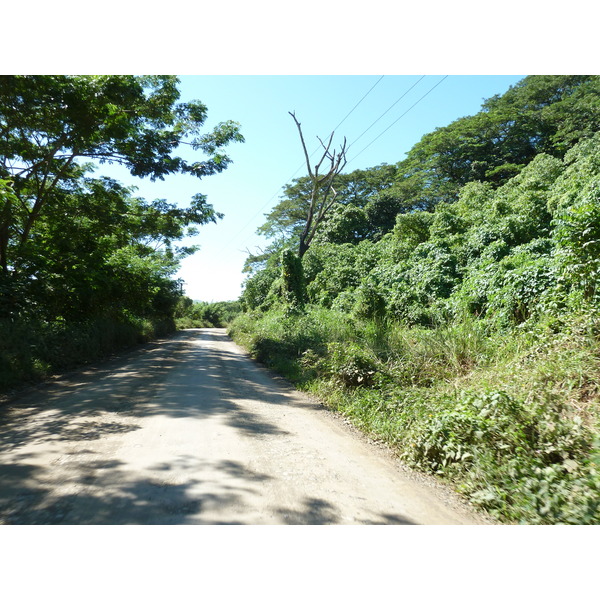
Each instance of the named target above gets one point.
<point>453,307</point>
<point>523,461</point>
<point>495,253</point>
<point>29,351</point>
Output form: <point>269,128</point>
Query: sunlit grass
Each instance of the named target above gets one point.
<point>509,417</point>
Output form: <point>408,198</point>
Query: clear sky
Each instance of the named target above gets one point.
<point>381,118</point>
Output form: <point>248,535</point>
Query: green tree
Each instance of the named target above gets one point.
<point>360,189</point>
<point>49,127</point>
<point>345,224</point>
<point>541,114</point>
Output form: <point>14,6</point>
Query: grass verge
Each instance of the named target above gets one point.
<point>510,419</point>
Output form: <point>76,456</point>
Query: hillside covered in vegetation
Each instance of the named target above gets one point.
<point>449,305</point>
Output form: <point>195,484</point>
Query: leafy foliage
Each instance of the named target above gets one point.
<point>292,280</point>
<point>77,249</point>
<point>190,314</point>
<point>457,303</point>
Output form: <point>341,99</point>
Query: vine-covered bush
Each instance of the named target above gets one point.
<point>453,306</point>
<point>513,458</point>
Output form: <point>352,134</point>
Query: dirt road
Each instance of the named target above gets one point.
<point>190,431</point>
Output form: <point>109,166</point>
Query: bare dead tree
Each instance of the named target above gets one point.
<point>323,195</point>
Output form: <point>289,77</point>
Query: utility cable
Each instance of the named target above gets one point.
<point>387,111</point>
<point>353,109</point>
<point>386,129</point>
<point>296,171</point>
<point>404,113</point>
<point>367,146</point>
<point>359,102</point>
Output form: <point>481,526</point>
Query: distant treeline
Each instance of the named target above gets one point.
<point>190,313</point>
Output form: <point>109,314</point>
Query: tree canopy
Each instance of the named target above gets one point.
<point>73,245</point>
<point>467,196</point>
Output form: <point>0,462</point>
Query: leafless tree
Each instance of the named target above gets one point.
<point>323,194</point>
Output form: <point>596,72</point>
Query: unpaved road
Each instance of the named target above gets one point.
<point>189,430</point>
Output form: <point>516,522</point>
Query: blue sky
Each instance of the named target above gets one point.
<point>411,105</point>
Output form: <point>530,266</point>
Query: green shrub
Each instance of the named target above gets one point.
<point>577,232</point>
<point>292,279</point>
<point>369,302</point>
<point>30,351</point>
<point>351,365</point>
<point>521,461</point>
<point>463,428</point>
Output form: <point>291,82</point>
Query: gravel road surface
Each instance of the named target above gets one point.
<point>189,430</point>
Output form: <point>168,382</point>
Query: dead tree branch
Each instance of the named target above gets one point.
<point>322,186</point>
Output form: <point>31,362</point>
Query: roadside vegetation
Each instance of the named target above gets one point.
<point>448,304</point>
<point>191,314</point>
<point>32,350</point>
<point>86,266</point>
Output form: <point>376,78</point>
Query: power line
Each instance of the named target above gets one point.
<point>302,164</point>
<point>387,111</point>
<point>353,109</point>
<point>367,146</point>
<point>386,129</point>
<point>404,113</point>
<point>365,131</point>
<point>358,102</point>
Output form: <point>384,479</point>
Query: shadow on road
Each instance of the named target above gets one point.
<point>107,400</point>
<point>108,495</point>
<point>144,383</point>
